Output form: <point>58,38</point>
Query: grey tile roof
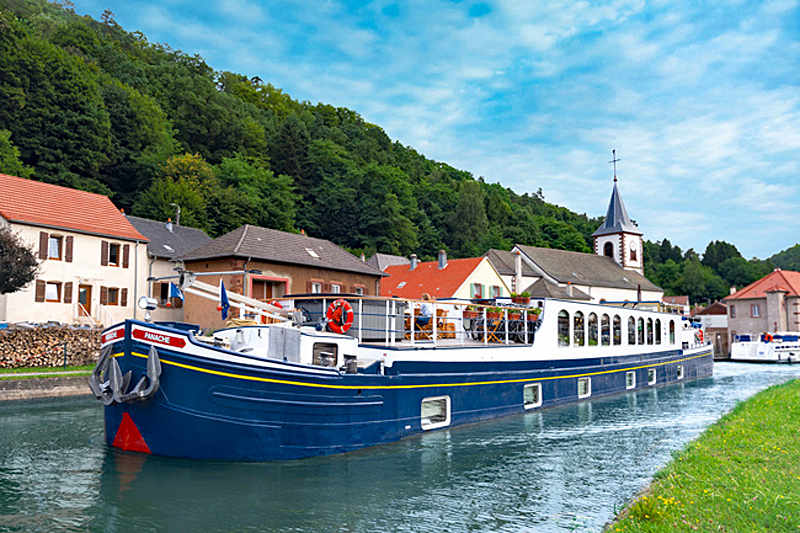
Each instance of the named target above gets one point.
<point>381,261</point>
<point>585,269</point>
<point>617,219</point>
<point>503,261</point>
<point>280,247</point>
<point>543,288</point>
<point>165,243</point>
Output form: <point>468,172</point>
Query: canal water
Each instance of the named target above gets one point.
<point>563,469</point>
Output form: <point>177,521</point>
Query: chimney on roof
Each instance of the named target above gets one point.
<point>169,225</point>
<point>302,232</point>
<point>413,261</point>
<point>777,269</point>
<point>733,290</point>
<point>363,258</point>
<point>442,259</point>
<point>569,289</point>
<point>518,270</point>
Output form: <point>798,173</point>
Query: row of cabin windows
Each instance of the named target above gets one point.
<point>58,292</point>
<point>436,412</point>
<point>755,310</point>
<point>60,248</point>
<point>605,331</point>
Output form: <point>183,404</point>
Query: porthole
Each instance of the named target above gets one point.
<point>651,376</point>
<point>630,380</point>
<point>532,395</point>
<point>435,412</point>
<point>584,387</point>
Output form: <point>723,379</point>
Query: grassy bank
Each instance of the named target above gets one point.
<point>741,475</point>
<point>14,373</point>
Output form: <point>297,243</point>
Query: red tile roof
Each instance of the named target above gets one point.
<point>428,278</point>
<point>37,203</point>
<point>675,300</point>
<point>779,280</point>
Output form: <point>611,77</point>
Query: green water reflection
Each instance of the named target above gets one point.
<point>563,469</point>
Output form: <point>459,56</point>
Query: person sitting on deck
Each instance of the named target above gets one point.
<point>425,311</point>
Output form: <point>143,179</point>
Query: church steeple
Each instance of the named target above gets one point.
<point>618,237</point>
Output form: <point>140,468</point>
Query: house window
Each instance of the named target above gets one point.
<point>113,254</point>
<point>476,290</point>
<point>755,310</point>
<point>54,248</point>
<point>316,287</point>
<point>497,291</point>
<point>52,292</point>
<point>359,290</point>
<point>733,311</point>
<point>584,387</point>
<point>608,250</point>
<point>336,288</point>
<point>113,296</point>
<point>532,395</point>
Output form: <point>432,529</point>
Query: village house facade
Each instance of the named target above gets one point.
<point>275,264</point>
<point>92,259</point>
<point>771,304</point>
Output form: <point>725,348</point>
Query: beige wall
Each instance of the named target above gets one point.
<point>487,276</point>
<point>85,269</point>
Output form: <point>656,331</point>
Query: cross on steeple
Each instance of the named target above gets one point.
<point>614,160</point>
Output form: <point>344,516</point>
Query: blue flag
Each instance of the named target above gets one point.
<point>224,304</point>
<point>175,292</point>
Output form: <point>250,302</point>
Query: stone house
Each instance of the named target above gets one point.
<point>275,264</point>
<point>771,304</point>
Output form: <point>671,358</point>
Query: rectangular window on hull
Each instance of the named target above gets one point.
<point>532,395</point>
<point>680,371</point>
<point>435,412</point>
<point>324,354</point>
<point>651,376</point>
<point>584,387</point>
<point>630,380</point>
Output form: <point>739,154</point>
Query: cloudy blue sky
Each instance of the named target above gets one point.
<point>701,100</point>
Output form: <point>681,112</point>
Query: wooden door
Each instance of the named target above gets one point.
<point>85,300</point>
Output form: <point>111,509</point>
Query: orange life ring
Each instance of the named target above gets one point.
<point>340,316</point>
<point>768,337</point>
<point>700,334</point>
<point>276,303</point>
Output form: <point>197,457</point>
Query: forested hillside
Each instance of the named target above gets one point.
<point>85,104</point>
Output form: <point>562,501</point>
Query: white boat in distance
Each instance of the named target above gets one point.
<point>766,348</point>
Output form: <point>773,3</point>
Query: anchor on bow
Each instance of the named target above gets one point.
<point>110,386</point>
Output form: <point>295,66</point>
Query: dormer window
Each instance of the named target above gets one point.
<point>312,253</point>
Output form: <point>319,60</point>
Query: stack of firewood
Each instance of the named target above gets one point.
<point>25,345</point>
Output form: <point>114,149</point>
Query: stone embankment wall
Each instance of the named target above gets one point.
<point>29,346</point>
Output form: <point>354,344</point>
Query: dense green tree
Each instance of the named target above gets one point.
<point>18,263</point>
<point>469,222</point>
<point>717,252</point>
<point>10,162</point>
<point>788,259</point>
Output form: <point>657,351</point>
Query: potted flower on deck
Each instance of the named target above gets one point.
<point>471,313</point>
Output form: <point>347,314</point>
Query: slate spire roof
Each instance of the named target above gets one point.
<point>617,219</point>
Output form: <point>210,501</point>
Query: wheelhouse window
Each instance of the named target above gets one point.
<point>631,331</point>
<point>584,387</point>
<point>672,332</point>
<point>578,332</point>
<point>605,330</point>
<point>630,380</point>
<point>649,331</point>
<point>658,331</point>
<point>563,328</point>
<point>435,412</point>
<point>651,376</point>
<point>532,395</point>
<point>617,330</point>
<point>592,329</point>
<point>640,328</point>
